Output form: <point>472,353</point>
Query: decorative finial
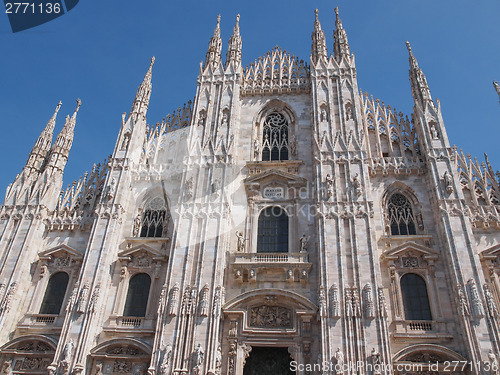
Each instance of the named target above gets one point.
<point>316,11</point>
<point>237,18</point>
<point>337,11</point>
<point>58,106</point>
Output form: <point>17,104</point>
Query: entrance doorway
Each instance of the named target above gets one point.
<point>268,361</point>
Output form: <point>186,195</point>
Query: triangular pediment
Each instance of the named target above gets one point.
<point>415,249</point>
<point>276,175</point>
<point>141,251</point>
<point>59,251</point>
<point>491,253</point>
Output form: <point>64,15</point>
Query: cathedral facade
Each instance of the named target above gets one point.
<point>283,222</point>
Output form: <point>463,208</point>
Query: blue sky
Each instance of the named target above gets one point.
<point>101,49</point>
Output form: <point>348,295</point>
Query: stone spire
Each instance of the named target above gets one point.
<point>340,43</point>
<point>60,149</point>
<point>141,101</point>
<point>214,46</point>
<point>420,89</point>
<point>234,46</point>
<point>42,146</point>
<point>318,48</point>
<point>497,88</point>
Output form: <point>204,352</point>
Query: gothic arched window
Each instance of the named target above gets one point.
<point>54,294</point>
<point>401,217</point>
<point>415,298</point>
<point>137,295</point>
<point>275,137</point>
<point>154,219</point>
<point>272,234</point>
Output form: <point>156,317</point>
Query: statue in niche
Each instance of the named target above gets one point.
<point>356,185</point>
<point>329,186</point>
<point>98,368</point>
<point>339,361</point>
<point>199,356</point>
<point>448,182</point>
<point>241,241</point>
<point>218,360</point>
<point>166,360</point>
<point>125,142</point>
<point>137,225</point>
<point>324,115</point>
<point>256,149</point>
<point>6,367</point>
<point>348,112</point>
<point>434,132</point>
<point>304,241</point>
<point>201,118</point>
<point>225,119</point>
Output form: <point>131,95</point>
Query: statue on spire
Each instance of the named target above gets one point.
<point>234,46</point>
<point>340,44</point>
<point>497,88</point>
<point>141,101</point>
<point>318,48</point>
<point>214,46</point>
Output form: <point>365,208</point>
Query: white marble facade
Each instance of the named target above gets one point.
<point>385,250</point>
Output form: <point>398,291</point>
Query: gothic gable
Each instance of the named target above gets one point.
<point>61,256</point>
<point>141,256</point>
<point>411,254</point>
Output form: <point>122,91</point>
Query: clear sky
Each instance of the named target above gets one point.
<point>100,51</point>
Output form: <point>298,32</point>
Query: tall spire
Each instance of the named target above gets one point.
<point>42,145</point>
<point>234,46</point>
<point>419,87</point>
<point>141,101</point>
<point>214,46</point>
<point>497,88</point>
<point>318,48</point>
<point>60,149</point>
<point>340,43</point>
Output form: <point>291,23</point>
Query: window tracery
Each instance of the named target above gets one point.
<point>275,142</point>
<point>401,216</point>
<point>154,220</point>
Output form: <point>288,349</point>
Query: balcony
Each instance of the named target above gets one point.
<point>292,267</point>
<point>130,324</point>
<point>421,329</point>
<point>41,323</point>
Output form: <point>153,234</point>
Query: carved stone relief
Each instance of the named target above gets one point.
<point>270,317</point>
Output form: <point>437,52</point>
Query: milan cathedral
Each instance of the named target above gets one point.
<point>282,222</point>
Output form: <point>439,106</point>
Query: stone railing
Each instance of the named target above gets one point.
<point>271,266</point>
<point>421,329</point>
